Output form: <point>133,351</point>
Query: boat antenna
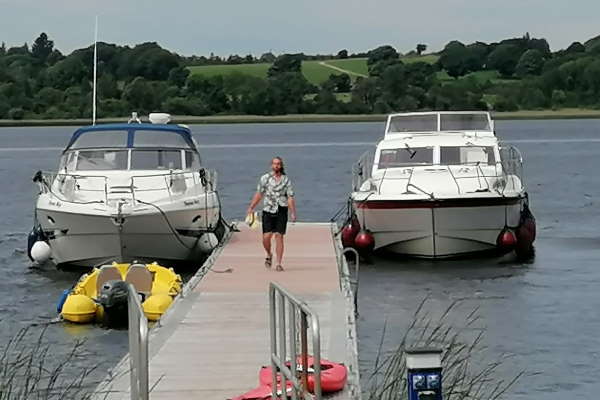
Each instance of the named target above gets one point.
<point>95,72</point>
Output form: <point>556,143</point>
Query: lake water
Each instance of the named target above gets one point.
<point>544,314</point>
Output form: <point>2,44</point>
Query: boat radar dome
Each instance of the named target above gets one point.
<point>159,118</point>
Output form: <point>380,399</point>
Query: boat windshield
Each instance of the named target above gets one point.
<point>405,156</point>
<point>464,122</point>
<point>138,138</point>
<point>414,123</point>
<point>101,139</point>
<point>102,160</point>
<point>439,122</point>
<point>457,155</point>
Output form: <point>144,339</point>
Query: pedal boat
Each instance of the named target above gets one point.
<point>156,285</point>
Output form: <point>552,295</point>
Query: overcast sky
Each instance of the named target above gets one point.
<point>311,26</point>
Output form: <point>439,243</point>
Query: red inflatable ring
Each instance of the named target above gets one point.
<point>333,375</point>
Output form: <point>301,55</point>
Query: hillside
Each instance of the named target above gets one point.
<point>516,74</point>
<point>315,72</point>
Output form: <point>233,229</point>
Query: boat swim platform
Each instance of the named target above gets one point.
<point>215,338</point>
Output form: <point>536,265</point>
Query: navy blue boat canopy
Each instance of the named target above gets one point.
<point>132,135</point>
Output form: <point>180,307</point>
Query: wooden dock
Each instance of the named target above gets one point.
<point>215,338</point>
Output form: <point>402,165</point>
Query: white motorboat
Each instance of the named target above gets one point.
<point>440,184</point>
<point>126,192</point>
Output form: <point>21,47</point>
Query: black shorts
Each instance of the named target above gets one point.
<point>275,222</point>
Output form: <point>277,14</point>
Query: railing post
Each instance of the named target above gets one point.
<point>138,346</point>
<point>282,306</point>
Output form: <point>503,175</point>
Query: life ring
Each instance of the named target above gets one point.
<point>333,375</point>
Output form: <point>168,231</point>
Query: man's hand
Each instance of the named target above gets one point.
<point>293,216</point>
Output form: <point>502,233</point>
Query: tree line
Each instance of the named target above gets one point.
<point>38,81</point>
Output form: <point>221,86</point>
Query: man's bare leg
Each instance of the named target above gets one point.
<point>279,250</point>
<point>267,245</point>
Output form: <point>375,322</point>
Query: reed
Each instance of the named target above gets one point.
<point>31,369</point>
<point>466,375</point>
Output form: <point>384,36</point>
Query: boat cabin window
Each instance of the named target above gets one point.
<point>101,160</point>
<point>405,156</point>
<point>110,139</point>
<point>456,155</point>
<point>156,159</point>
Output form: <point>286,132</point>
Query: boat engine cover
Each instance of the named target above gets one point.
<point>113,293</point>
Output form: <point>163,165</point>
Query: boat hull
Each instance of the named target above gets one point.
<point>84,236</point>
<point>438,228</point>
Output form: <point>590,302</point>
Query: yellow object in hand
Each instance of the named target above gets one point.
<point>252,220</point>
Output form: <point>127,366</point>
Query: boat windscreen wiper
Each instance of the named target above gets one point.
<point>410,151</point>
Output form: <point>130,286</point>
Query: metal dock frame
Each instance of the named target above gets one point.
<point>283,305</point>
<point>138,346</point>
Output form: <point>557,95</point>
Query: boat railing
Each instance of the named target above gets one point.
<point>468,177</point>
<point>75,187</point>
<point>291,317</point>
<point>138,346</point>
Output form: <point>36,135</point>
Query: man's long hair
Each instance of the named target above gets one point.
<point>282,164</point>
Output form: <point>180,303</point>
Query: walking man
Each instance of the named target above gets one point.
<point>278,194</point>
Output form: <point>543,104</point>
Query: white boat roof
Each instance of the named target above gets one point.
<point>477,123</point>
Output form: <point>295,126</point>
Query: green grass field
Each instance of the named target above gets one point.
<point>356,65</point>
<point>312,70</point>
<point>258,70</point>
<point>315,72</point>
<point>426,58</point>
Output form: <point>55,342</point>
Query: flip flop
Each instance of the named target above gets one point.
<point>268,262</point>
<point>279,268</point>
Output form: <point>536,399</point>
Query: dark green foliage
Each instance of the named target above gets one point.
<point>338,83</point>
<point>342,54</point>
<point>575,47</point>
<point>454,59</point>
<point>381,58</point>
<point>68,72</point>
<point>382,53</point>
<point>16,113</point>
<point>327,103</point>
<point>504,58</point>
<point>591,43</point>
<point>530,63</point>
<point>42,47</point>
<point>178,76</point>
<point>267,58</point>
<point>208,91</point>
<point>44,83</point>
<point>476,56</point>
<point>286,63</point>
<point>140,94</point>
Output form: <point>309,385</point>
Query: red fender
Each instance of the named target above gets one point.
<point>333,375</point>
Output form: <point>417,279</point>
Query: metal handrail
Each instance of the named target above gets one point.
<point>284,305</point>
<point>509,167</point>
<point>209,182</point>
<point>138,346</point>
